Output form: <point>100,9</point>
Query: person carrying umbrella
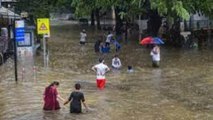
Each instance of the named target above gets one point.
<point>155,53</point>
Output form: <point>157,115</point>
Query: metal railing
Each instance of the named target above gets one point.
<point>2,57</point>
<point>199,24</point>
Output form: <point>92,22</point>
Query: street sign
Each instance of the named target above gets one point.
<point>19,30</point>
<point>43,26</point>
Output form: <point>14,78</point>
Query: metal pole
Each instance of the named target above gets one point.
<point>34,73</point>
<point>140,29</point>
<point>44,50</point>
<point>2,58</point>
<point>47,57</point>
<point>15,48</point>
<point>15,53</point>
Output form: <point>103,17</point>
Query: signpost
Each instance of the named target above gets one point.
<point>18,36</point>
<point>19,30</point>
<point>43,28</point>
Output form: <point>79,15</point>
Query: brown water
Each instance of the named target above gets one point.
<point>181,89</point>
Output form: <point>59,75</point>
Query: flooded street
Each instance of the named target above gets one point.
<point>181,89</point>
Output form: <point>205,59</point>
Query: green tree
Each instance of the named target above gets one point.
<point>176,10</point>
<point>90,8</point>
<point>35,8</point>
<point>125,10</point>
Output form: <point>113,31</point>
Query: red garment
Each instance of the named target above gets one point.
<point>50,99</point>
<point>101,83</point>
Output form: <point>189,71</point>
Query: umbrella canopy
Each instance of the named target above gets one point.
<point>151,40</point>
<point>147,40</point>
<point>157,40</point>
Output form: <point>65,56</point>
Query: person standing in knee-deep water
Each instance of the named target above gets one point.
<point>50,97</point>
<point>100,70</point>
<point>117,46</point>
<point>155,53</point>
<point>97,46</point>
<point>83,36</point>
<point>109,38</point>
<point>76,98</point>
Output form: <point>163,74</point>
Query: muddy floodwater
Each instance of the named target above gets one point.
<point>181,89</point>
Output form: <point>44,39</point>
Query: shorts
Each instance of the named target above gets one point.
<point>82,43</point>
<point>101,83</point>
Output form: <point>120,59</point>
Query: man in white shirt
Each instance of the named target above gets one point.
<point>116,62</point>
<point>109,38</point>
<point>100,70</point>
<point>83,36</point>
<point>155,53</point>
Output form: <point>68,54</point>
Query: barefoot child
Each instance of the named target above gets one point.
<point>76,98</point>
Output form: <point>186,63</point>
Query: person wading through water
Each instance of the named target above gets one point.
<point>50,97</point>
<point>155,53</point>
<point>100,70</point>
<point>76,98</point>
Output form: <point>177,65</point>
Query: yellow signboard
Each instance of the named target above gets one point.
<point>43,26</point>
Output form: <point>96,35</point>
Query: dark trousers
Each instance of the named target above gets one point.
<point>156,64</point>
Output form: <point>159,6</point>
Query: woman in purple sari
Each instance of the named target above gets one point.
<point>50,97</point>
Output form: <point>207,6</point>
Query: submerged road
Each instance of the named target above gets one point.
<point>181,89</point>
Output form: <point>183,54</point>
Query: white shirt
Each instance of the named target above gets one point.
<point>83,37</point>
<point>109,37</point>
<point>101,69</point>
<point>155,55</point>
<point>116,63</point>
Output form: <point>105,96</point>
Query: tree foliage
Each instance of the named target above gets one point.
<point>85,7</point>
<point>129,8</point>
<point>171,8</point>
<point>37,8</point>
<point>183,8</point>
<point>180,8</point>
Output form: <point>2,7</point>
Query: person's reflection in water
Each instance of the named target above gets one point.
<point>156,77</point>
<point>50,115</point>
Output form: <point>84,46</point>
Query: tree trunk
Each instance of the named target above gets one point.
<point>154,22</point>
<point>126,32</point>
<point>92,18</point>
<point>97,14</point>
<point>176,38</point>
<point>118,22</point>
